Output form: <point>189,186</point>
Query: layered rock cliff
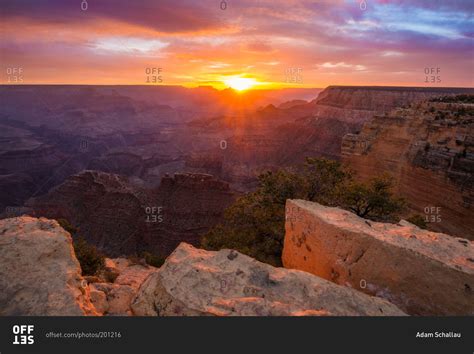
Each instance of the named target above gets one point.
<point>359,103</point>
<point>274,137</point>
<point>121,218</point>
<point>429,150</point>
<point>422,272</point>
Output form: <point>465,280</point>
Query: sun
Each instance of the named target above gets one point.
<point>240,83</point>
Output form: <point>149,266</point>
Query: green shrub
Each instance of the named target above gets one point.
<point>66,225</point>
<point>373,200</point>
<point>418,220</point>
<point>90,259</point>
<point>146,258</point>
<point>110,276</point>
<point>153,260</point>
<point>255,223</point>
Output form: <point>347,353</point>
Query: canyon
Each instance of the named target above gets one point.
<point>48,133</point>
<point>428,148</point>
<point>103,160</point>
<point>139,170</point>
<point>122,218</point>
<point>283,137</point>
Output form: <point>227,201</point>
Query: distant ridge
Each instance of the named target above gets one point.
<point>407,88</point>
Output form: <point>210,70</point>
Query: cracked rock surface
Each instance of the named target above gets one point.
<point>39,273</point>
<point>422,272</point>
<point>227,283</point>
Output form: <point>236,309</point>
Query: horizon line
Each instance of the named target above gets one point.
<point>229,88</point>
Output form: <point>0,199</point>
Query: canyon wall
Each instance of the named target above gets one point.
<point>364,101</point>
<point>121,218</point>
<point>422,272</point>
<point>275,137</point>
<point>429,151</point>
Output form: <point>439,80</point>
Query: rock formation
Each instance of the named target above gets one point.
<point>122,219</point>
<point>274,137</point>
<point>120,163</point>
<point>226,283</point>
<point>50,133</point>
<point>417,271</point>
<point>39,273</point>
<point>429,150</point>
<point>422,272</point>
<point>106,207</point>
<point>360,103</point>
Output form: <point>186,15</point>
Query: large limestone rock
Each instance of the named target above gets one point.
<point>39,273</point>
<point>422,272</point>
<point>226,283</point>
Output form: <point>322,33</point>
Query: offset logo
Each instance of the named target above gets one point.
<point>23,334</point>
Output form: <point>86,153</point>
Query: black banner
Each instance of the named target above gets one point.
<point>244,335</point>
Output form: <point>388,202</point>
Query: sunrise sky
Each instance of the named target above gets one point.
<point>269,42</point>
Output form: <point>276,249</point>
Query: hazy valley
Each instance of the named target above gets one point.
<point>135,171</point>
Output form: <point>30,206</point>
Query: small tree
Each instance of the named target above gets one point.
<point>255,223</point>
<point>253,226</point>
<point>374,200</point>
<point>323,180</point>
<point>90,259</point>
<point>66,225</point>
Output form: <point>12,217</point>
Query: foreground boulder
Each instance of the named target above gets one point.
<point>39,273</point>
<point>422,272</point>
<point>226,283</point>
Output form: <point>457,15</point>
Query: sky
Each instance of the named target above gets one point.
<point>242,43</point>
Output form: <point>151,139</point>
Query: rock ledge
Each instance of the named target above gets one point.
<point>226,283</point>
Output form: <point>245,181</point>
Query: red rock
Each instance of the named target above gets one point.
<point>422,272</point>
<point>431,160</point>
<point>122,219</point>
